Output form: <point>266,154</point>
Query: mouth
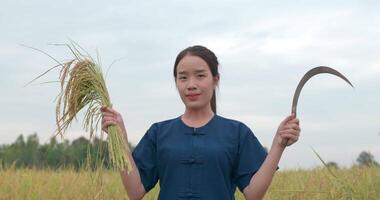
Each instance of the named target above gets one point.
<point>192,97</point>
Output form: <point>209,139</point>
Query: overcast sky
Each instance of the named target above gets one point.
<point>263,48</point>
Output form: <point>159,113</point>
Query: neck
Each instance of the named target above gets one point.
<point>198,114</point>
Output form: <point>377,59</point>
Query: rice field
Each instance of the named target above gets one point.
<point>319,183</point>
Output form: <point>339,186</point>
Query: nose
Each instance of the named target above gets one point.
<point>191,85</point>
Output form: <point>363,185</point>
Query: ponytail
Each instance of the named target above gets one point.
<point>213,102</point>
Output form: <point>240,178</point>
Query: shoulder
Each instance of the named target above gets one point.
<point>231,123</point>
<point>163,125</point>
<point>166,122</point>
<point>236,128</point>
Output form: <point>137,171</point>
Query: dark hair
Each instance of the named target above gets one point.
<point>208,56</point>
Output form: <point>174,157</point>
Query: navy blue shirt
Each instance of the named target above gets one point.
<point>208,162</point>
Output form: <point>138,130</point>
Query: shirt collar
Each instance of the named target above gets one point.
<point>197,130</point>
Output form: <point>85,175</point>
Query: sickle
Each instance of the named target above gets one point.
<point>305,78</point>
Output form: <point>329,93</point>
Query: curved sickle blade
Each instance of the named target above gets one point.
<point>308,75</point>
<point>305,78</point>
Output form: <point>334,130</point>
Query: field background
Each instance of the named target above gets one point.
<point>319,183</point>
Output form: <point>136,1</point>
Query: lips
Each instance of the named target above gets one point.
<point>192,97</point>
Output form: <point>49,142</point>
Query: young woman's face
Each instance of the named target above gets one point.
<point>195,82</point>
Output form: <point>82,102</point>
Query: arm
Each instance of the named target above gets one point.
<point>132,182</point>
<point>259,183</point>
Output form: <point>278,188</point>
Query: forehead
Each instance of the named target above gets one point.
<point>190,63</point>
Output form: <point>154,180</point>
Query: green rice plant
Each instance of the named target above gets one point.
<point>83,86</point>
<point>296,184</point>
<point>344,188</point>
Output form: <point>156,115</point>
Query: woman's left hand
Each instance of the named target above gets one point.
<point>289,130</point>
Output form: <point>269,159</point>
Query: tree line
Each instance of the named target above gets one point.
<point>81,153</point>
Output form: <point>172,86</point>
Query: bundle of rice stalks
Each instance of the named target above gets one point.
<point>82,85</point>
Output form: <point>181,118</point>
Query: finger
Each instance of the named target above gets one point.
<point>295,121</point>
<point>106,124</point>
<point>107,114</point>
<point>112,110</point>
<point>108,109</point>
<point>292,131</point>
<point>108,118</point>
<point>291,138</point>
<point>292,126</point>
<point>103,108</point>
<point>290,142</point>
<point>289,127</point>
<point>289,131</point>
<point>288,118</point>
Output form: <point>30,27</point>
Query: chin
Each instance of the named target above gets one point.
<point>195,106</point>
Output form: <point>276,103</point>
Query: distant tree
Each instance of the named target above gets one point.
<point>332,164</point>
<point>14,153</point>
<point>78,154</point>
<point>54,154</point>
<point>79,150</point>
<point>30,152</point>
<point>20,141</point>
<point>366,159</point>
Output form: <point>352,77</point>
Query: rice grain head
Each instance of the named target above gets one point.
<point>82,85</point>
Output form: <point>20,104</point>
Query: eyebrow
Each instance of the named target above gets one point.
<point>200,70</point>
<point>196,71</point>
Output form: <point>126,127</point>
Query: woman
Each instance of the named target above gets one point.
<point>201,155</point>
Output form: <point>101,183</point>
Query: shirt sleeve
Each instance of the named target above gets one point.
<point>251,155</point>
<point>144,156</point>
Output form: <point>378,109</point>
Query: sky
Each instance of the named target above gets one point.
<point>264,49</point>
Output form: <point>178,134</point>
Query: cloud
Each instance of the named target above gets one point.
<point>264,49</point>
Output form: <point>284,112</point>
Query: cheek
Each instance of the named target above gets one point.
<point>180,89</point>
<point>209,89</point>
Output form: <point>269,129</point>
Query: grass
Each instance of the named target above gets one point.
<point>315,184</point>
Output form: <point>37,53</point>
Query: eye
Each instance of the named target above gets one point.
<point>182,78</point>
<point>201,75</point>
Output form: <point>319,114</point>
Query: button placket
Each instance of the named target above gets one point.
<point>197,160</point>
<point>193,161</point>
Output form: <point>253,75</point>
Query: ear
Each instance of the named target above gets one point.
<point>216,80</point>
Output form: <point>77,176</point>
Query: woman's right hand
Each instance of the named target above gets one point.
<point>111,117</point>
